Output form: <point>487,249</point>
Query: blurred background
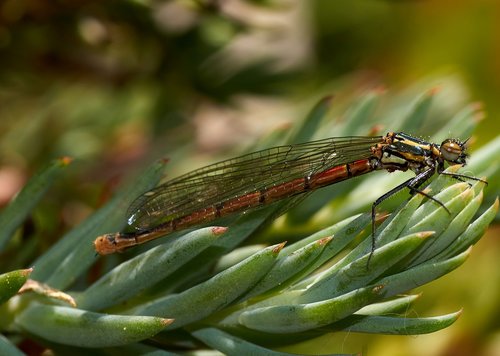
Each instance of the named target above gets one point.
<point>117,84</point>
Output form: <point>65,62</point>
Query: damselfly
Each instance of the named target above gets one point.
<point>257,179</point>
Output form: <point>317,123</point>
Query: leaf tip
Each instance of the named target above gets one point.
<point>327,100</point>
<point>375,130</point>
<point>219,230</point>
<point>433,91</point>
<point>379,90</point>
<point>468,251</point>
<point>468,194</point>
<point>495,204</point>
<point>479,115</point>
<point>324,240</point>
<point>378,289</point>
<point>425,234</point>
<point>279,247</point>
<point>65,160</point>
<point>26,272</point>
<point>454,168</point>
<point>166,322</point>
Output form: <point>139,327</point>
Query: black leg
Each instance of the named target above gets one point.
<point>374,208</point>
<point>418,180</point>
<point>463,177</point>
<point>412,184</point>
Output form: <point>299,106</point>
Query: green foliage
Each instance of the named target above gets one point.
<point>77,327</point>
<point>11,282</point>
<point>327,281</point>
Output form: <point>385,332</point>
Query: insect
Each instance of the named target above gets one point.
<point>261,178</point>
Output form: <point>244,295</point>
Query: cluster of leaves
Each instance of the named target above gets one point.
<point>204,288</point>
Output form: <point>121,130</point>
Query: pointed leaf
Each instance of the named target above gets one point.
<point>78,327</point>
<point>310,125</point>
<point>471,235</point>
<point>454,229</point>
<point>135,275</point>
<point>232,345</point>
<point>8,348</point>
<point>430,213</point>
<point>214,294</point>
<point>358,273</point>
<point>398,326</point>
<point>236,256</point>
<point>360,113</point>
<point>419,275</point>
<point>301,317</point>
<point>74,253</point>
<point>414,119</point>
<point>289,266</point>
<point>22,205</point>
<point>389,307</point>
<point>11,282</point>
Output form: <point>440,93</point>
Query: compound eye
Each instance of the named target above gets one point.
<point>452,151</point>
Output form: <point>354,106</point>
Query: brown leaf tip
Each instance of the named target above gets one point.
<point>324,240</point>
<point>219,230</point>
<point>434,91</point>
<point>166,322</point>
<point>27,271</point>
<point>279,247</point>
<point>66,160</point>
<point>425,234</point>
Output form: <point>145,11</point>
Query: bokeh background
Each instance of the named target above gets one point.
<point>117,84</point>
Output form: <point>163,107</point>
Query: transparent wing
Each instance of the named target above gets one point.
<point>232,178</point>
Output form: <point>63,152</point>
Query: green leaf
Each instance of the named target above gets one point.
<point>231,345</point>
<point>236,256</point>
<point>358,273</point>
<point>397,326</point>
<point>419,111</point>
<point>238,231</point>
<point>301,317</point>
<point>74,253</point>
<point>309,126</point>
<point>22,205</point>
<point>214,294</point>
<point>387,232</point>
<point>8,348</point>
<point>419,275</point>
<point>455,227</point>
<point>341,238</point>
<point>359,114</point>
<point>430,215</point>
<point>461,124</point>
<point>78,327</point>
<point>137,274</point>
<point>132,350</point>
<point>471,235</point>
<point>486,161</point>
<point>288,266</point>
<point>344,231</point>
<point>389,307</point>
<point>11,282</point>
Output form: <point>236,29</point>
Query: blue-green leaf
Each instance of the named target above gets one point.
<point>137,274</point>
<point>78,327</point>
<point>22,205</point>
